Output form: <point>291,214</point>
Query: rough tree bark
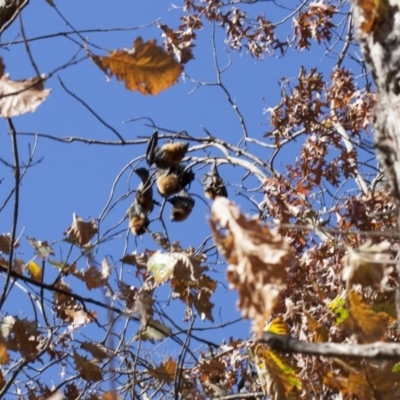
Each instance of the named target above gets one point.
<point>378,31</point>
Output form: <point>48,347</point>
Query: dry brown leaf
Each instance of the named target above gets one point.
<point>19,97</point>
<point>68,309</point>
<point>110,396</point>
<point>257,260</point>
<point>95,278</point>
<point>319,332</point>
<point>25,338</point>
<point>5,243</point>
<point>373,12</point>
<point>191,285</point>
<point>89,369</point>
<point>71,392</point>
<point>146,67</point>
<point>367,265</point>
<point>165,372</point>
<point>366,324</point>
<point>4,355</point>
<point>81,232</point>
<point>97,350</point>
<point>128,294</point>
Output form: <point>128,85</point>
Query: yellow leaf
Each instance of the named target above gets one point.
<point>34,271</point>
<point>278,378</point>
<point>338,307</point>
<point>146,67</point>
<point>278,326</point>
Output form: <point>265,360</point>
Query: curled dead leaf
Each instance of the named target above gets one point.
<point>367,265</point>
<point>257,260</point>
<point>19,97</point>
<point>88,369</point>
<point>81,232</point>
<point>5,243</point>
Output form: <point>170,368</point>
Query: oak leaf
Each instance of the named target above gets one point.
<point>362,321</point>
<point>165,372</point>
<point>161,265</point>
<point>89,369</point>
<point>367,265</point>
<point>146,67</point>
<point>257,260</point>
<point>19,97</point>
<point>81,232</point>
<point>97,350</point>
<point>277,377</point>
<point>5,243</point>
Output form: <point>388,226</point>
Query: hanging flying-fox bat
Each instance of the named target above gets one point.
<point>169,155</point>
<point>144,192</point>
<point>182,206</point>
<point>138,221</point>
<point>173,180</point>
<point>213,184</point>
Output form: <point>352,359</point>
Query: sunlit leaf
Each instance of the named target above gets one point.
<point>165,372</point>
<point>372,10</point>
<point>338,307</point>
<point>81,232</point>
<point>363,322</point>
<point>146,67</point>
<point>278,326</point>
<point>161,265</point>
<point>20,97</point>
<point>43,249</point>
<point>34,271</point>
<point>279,379</point>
